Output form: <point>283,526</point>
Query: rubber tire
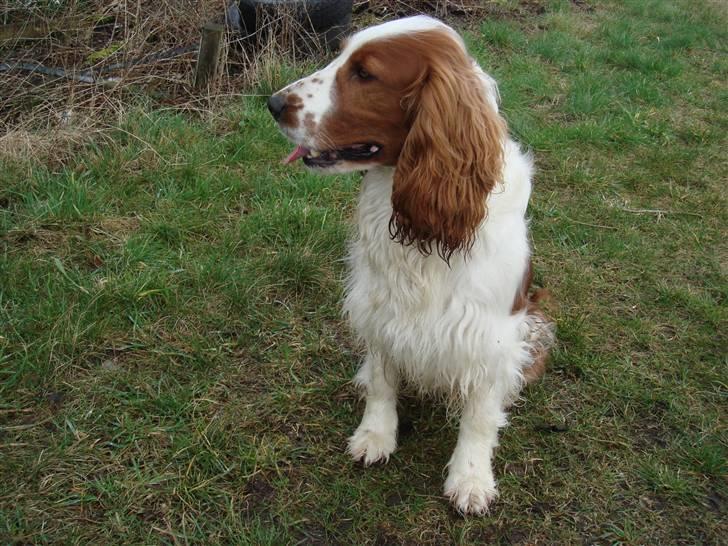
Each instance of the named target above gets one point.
<point>330,19</point>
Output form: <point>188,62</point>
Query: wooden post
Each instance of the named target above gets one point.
<point>209,55</point>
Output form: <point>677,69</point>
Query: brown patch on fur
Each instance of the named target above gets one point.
<point>370,110</point>
<point>452,157</point>
<point>426,108</point>
<point>525,299</point>
<point>538,368</point>
<point>290,115</point>
<point>520,302</point>
<point>316,80</point>
<point>309,123</point>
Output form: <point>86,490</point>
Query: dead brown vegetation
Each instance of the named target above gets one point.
<point>66,63</point>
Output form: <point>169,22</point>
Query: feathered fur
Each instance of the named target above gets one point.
<point>452,156</point>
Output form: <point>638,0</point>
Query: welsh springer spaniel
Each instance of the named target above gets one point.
<point>440,272</point>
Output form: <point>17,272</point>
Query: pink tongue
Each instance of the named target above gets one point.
<point>300,151</point>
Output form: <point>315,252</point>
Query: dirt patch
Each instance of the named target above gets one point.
<point>716,502</point>
<point>116,229</point>
<point>258,494</point>
<point>583,5</point>
<point>311,533</point>
<point>39,240</point>
<point>653,431</point>
<point>60,240</point>
<point>389,537</point>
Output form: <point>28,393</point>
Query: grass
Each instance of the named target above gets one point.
<point>173,366</point>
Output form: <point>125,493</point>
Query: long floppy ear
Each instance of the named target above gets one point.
<point>452,156</point>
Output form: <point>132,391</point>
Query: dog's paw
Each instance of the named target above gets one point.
<point>370,447</point>
<point>471,493</point>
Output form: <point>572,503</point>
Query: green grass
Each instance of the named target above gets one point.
<point>174,368</point>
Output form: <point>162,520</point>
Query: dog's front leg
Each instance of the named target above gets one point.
<point>376,437</point>
<point>470,484</point>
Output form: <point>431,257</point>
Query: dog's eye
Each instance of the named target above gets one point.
<point>362,74</point>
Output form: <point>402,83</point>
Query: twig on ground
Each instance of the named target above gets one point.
<point>84,77</point>
<point>660,212</point>
<point>588,224</point>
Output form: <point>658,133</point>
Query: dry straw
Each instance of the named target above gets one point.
<point>72,65</point>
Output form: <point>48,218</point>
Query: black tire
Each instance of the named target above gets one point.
<point>330,19</point>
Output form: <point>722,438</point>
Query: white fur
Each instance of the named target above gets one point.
<point>442,327</point>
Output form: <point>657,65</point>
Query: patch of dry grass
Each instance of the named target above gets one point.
<point>95,58</point>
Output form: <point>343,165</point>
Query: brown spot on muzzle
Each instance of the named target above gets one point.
<point>309,123</point>
<point>289,118</point>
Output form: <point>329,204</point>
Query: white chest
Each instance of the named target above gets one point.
<point>440,324</point>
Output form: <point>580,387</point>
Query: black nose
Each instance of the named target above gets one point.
<point>276,106</point>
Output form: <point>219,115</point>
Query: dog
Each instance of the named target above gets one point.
<point>440,270</point>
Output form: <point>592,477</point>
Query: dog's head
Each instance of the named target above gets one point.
<point>404,94</point>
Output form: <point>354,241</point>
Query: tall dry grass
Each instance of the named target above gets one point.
<point>73,66</point>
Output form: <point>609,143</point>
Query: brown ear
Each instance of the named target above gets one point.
<point>452,157</point>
